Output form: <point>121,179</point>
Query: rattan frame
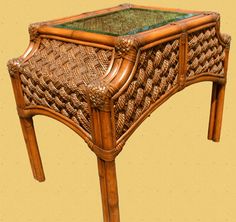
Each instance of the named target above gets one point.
<point>103,93</point>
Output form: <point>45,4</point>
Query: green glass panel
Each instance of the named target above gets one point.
<point>125,22</point>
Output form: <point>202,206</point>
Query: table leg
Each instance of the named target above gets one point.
<point>109,191</point>
<point>212,111</point>
<point>32,148</point>
<point>216,114</point>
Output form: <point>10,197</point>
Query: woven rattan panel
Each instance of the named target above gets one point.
<point>205,53</point>
<point>53,77</point>
<point>155,76</point>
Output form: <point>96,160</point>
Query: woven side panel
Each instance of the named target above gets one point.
<point>54,77</point>
<point>205,53</point>
<point>155,76</point>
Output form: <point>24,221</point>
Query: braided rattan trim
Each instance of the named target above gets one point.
<point>205,53</point>
<point>155,76</point>
<point>56,75</point>
<point>107,155</point>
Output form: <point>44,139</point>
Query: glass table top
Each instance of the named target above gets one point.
<point>125,22</point>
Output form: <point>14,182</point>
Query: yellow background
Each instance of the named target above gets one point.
<point>168,170</point>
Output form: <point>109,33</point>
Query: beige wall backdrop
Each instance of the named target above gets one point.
<point>168,170</point>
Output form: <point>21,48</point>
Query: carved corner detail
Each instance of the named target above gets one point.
<point>33,30</point>
<point>126,47</point>
<point>226,39</point>
<point>13,66</point>
<point>99,94</point>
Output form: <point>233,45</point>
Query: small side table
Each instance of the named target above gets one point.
<point>102,73</point>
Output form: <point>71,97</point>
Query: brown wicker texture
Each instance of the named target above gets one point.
<point>205,53</point>
<point>156,74</point>
<point>124,82</point>
<point>54,77</point>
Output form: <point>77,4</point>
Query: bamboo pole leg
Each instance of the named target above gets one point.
<point>212,111</point>
<point>216,114</point>
<point>109,191</point>
<point>32,148</point>
<point>219,112</point>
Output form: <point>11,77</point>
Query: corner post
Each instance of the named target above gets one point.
<point>26,122</point>
<point>218,94</point>
<point>104,138</point>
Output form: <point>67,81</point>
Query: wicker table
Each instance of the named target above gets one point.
<point>102,73</point>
